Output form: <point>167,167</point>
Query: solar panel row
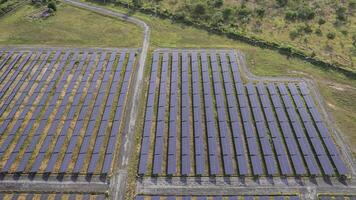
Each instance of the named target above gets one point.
<point>173,122</point>
<point>185,109</point>
<point>161,123</point>
<point>225,139</point>
<point>197,117</point>
<point>109,154</point>
<point>209,118</point>
<point>145,143</point>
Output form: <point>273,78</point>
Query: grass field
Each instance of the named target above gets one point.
<point>338,90</point>
<point>68,27</point>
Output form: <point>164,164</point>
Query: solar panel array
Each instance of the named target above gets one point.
<point>247,197</point>
<point>55,196</point>
<point>202,120</point>
<point>61,112</point>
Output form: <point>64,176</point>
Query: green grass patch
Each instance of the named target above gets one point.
<point>70,26</point>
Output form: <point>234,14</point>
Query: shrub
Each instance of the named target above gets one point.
<point>344,32</point>
<point>293,34</point>
<point>318,32</point>
<point>305,13</point>
<point>341,14</point>
<point>321,21</point>
<point>199,9</point>
<point>260,12</point>
<point>217,18</point>
<point>244,14</point>
<point>291,15</point>
<point>352,5</point>
<point>52,5</point>
<point>354,40</point>
<point>227,13</point>
<point>137,3</point>
<point>331,35</point>
<point>50,10</point>
<point>218,3</point>
<point>282,3</point>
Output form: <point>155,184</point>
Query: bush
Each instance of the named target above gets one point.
<point>52,5</point>
<point>260,12</point>
<point>217,19</point>
<point>331,35</point>
<point>291,15</point>
<point>282,3</point>
<point>293,34</point>
<point>227,13</point>
<point>306,28</point>
<point>354,40</point>
<point>318,32</point>
<point>244,14</point>
<point>218,3</point>
<point>344,32</point>
<point>321,21</point>
<point>305,13</point>
<point>341,14</point>
<point>50,10</point>
<point>199,9</point>
<point>137,3</point>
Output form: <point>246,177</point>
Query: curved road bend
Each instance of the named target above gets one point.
<point>118,183</point>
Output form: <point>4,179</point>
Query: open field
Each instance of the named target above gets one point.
<point>62,111</point>
<point>68,27</point>
<point>338,90</point>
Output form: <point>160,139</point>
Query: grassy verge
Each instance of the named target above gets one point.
<point>68,27</point>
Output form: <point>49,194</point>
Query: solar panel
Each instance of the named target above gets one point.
<point>304,88</point>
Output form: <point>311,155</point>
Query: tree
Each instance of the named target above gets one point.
<point>199,9</point>
<point>52,5</point>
